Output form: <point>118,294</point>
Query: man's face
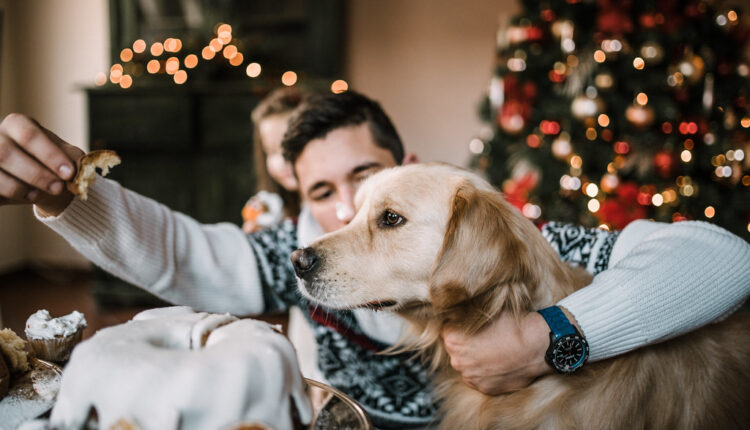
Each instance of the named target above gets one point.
<point>330,170</point>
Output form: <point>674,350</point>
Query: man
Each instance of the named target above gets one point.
<point>334,143</point>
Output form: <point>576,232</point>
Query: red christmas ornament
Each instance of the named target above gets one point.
<point>648,20</point>
<point>534,34</point>
<point>529,90</point>
<point>517,190</point>
<point>677,217</point>
<point>692,11</point>
<point>548,15</point>
<point>549,127</point>
<point>665,163</point>
<point>556,77</point>
<point>628,192</point>
<point>511,116</point>
<point>516,110</point>
<point>622,209</point>
<point>613,17</point>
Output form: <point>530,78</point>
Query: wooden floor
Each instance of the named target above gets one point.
<point>60,292</point>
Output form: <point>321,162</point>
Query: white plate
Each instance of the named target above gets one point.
<point>30,395</point>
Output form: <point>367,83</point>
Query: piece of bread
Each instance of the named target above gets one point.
<point>103,159</point>
<point>14,350</point>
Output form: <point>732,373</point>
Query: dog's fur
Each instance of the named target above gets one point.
<point>464,255</point>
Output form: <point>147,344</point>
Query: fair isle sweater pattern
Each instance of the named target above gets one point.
<point>577,245</point>
<point>395,390</point>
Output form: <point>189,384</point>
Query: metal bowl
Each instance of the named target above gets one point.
<point>334,410</point>
<point>31,395</point>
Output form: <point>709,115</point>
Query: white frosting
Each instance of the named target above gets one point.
<point>146,371</point>
<point>163,312</point>
<point>206,326</point>
<point>41,325</point>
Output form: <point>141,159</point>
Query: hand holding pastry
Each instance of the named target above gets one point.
<point>38,167</point>
<point>34,165</point>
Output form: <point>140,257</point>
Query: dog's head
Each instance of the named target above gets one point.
<point>427,236</point>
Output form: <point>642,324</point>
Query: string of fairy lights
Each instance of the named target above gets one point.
<point>168,58</point>
<point>588,108</point>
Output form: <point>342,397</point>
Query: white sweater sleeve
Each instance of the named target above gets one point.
<point>207,267</point>
<point>663,280</point>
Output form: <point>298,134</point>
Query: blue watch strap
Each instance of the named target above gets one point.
<point>557,321</point>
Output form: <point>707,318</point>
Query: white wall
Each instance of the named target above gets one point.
<point>13,227</point>
<point>427,61</point>
<point>56,47</point>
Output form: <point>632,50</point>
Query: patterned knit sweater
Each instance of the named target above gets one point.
<point>657,281</point>
<point>394,389</point>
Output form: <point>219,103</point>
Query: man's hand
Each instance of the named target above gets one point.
<point>504,356</point>
<point>34,163</point>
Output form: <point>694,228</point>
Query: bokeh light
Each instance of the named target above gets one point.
<point>253,70</point>
<point>289,78</point>
<point>157,49</point>
<point>339,86</point>
<point>191,61</point>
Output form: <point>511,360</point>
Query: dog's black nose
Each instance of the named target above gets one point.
<point>304,261</point>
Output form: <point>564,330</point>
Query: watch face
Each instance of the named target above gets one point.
<point>568,353</point>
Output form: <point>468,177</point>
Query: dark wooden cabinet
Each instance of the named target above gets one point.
<point>189,148</point>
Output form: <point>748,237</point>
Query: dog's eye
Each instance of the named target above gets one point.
<point>391,219</point>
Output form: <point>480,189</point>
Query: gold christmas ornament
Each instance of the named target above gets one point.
<point>640,116</point>
<point>604,81</point>
<point>609,182</point>
<point>584,107</point>
<point>513,123</point>
<point>561,147</point>
<point>652,52</point>
<point>562,28</point>
<point>730,119</point>
<point>692,67</point>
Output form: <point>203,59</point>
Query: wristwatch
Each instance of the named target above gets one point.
<point>568,349</point>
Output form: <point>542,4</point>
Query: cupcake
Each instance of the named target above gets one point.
<point>52,339</point>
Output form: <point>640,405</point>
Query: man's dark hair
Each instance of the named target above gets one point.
<point>321,114</point>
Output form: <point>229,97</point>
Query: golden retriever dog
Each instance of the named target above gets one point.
<point>438,244</point>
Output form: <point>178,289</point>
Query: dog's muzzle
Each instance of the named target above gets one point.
<point>306,262</point>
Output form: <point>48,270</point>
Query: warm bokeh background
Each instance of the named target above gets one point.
<point>427,61</point>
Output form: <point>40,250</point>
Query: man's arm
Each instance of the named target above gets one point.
<point>208,267</point>
<point>663,280</point>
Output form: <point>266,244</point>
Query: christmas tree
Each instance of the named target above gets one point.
<point>604,112</point>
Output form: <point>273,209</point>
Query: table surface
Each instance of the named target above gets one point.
<point>62,291</point>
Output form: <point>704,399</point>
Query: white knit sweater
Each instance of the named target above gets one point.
<point>663,279</point>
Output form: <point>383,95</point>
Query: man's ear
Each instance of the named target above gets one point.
<point>484,266</point>
<point>410,158</point>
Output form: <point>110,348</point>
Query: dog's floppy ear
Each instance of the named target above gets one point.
<point>485,264</point>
